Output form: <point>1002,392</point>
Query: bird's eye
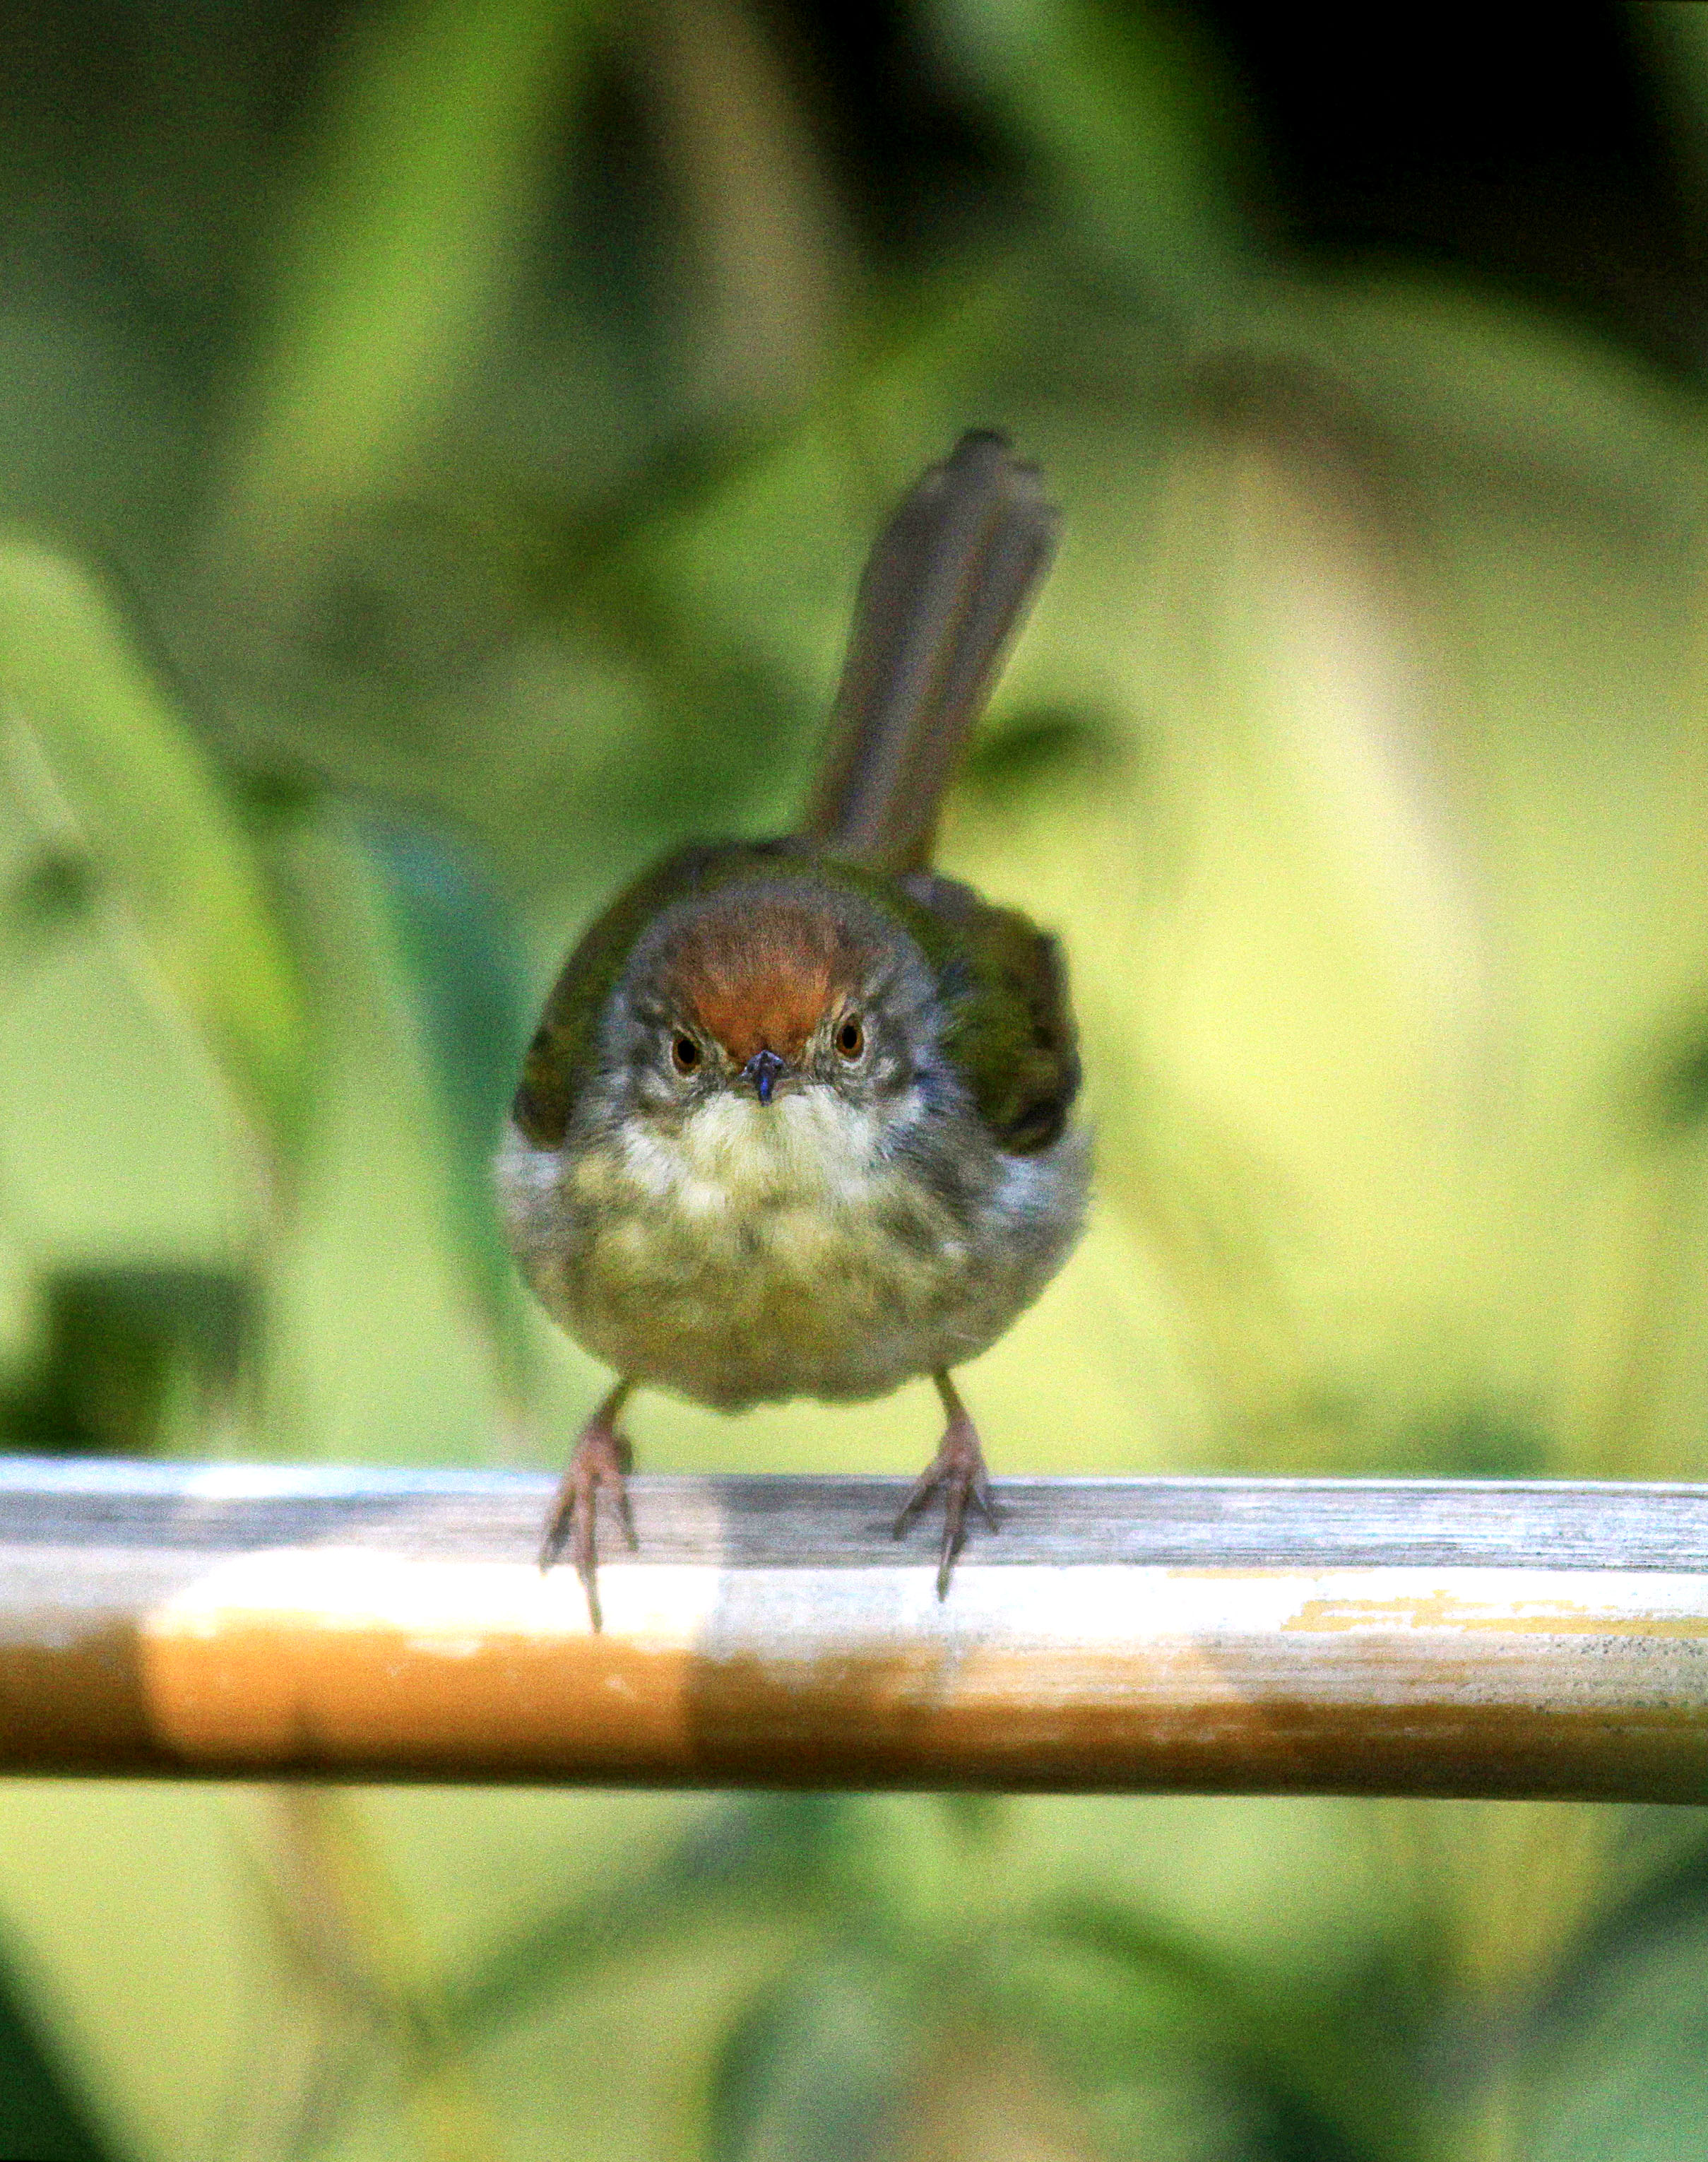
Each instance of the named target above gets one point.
<point>851,1037</point>
<point>685,1054</point>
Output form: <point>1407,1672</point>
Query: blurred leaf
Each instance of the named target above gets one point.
<point>373,1346</point>
<point>1477,1443</point>
<point>1326,2081</point>
<point>352,1943</point>
<point>462,968</point>
<point>135,1357</point>
<point>1664,1858</point>
<point>1040,750</point>
<point>122,793</point>
<point>1155,2086</point>
<point>23,1310</point>
<point>1127,117</point>
<point>1676,1099</point>
<point>39,2119</point>
<point>54,891</point>
<point>403,244</point>
<point>1623,2068</point>
<point>791,1852</point>
<point>818,2069</point>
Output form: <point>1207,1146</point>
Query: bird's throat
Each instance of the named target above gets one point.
<point>807,1147</point>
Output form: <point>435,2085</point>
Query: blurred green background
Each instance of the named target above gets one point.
<point>438,441</point>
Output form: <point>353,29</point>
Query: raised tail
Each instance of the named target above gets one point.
<point>942,590</point>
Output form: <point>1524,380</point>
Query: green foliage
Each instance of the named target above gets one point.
<point>1626,2074</point>
<point>134,1360</point>
<point>117,798</point>
<point>817,2067</point>
<point>41,2118</point>
<point>457,951</point>
<point>404,245</point>
<point>491,407</point>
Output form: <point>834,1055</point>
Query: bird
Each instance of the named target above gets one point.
<point>798,1117</point>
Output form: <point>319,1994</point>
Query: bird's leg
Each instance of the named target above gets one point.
<point>958,1469</point>
<point>602,1459</point>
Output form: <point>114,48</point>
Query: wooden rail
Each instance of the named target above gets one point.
<point>1231,1635</point>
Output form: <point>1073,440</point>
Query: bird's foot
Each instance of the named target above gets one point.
<point>602,1458</point>
<point>958,1469</point>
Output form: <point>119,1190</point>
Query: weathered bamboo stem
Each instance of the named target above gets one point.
<point>1248,1635</point>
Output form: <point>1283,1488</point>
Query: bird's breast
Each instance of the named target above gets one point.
<point>756,1252</point>
<point>763,1250</point>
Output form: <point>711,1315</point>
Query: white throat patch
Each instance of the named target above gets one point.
<point>808,1146</point>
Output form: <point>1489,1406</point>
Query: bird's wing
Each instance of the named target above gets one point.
<point>1009,1030</point>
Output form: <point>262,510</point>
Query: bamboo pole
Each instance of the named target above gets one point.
<point>1224,1635</point>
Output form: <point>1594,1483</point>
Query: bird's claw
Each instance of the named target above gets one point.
<point>958,1469</point>
<point>601,1458</point>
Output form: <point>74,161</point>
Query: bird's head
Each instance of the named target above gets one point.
<point>764,995</point>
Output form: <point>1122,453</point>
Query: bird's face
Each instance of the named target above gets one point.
<point>777,1020</point>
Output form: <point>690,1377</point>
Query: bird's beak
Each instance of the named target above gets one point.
<point>762,1069</point>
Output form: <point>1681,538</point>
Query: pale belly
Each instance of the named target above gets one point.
<point>758,1257</point>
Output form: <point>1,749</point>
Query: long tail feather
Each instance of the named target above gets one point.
<point>943,591</point>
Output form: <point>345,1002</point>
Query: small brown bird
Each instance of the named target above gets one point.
<point>795,1120</point>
